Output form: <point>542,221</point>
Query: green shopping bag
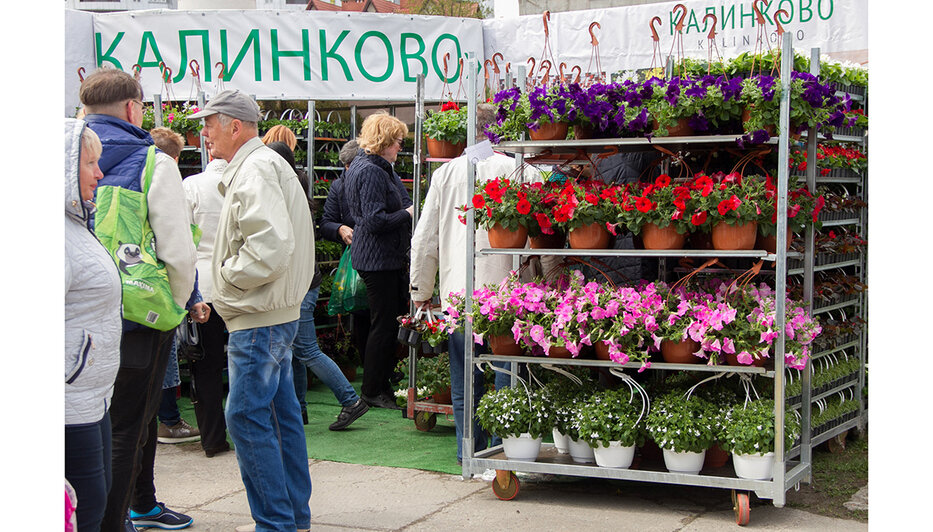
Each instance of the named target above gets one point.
<point>349,292</point>
<point>122,226</point>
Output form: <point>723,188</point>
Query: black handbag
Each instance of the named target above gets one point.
<point>188,340</point>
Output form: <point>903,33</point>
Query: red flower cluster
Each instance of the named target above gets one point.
<point>447,106</point>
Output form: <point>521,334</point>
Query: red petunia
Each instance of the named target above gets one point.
<point>698,218</point>
<point>643,204</point>
<point>523,206</point>
<point>544,222</point>
<point>478,201</point>
<point>820,201</point>
<point>678,214</point>
<point>450,105</point>
<point>662,181</point>
<point>591,198</point>
<point>563,213</point>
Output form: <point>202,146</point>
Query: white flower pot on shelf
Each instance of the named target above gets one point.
<point>684,462</point>
<point>753,466</point>
<point>522,447</point>
<point>615,455</point>
<point>581,452</point>
<point>561,441</point>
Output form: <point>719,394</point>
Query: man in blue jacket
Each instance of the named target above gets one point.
<point>114,110</point>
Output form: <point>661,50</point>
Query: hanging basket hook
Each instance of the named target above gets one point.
<point>654,32</point>
<point>593,40</point>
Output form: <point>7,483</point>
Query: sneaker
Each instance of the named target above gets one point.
<point>178,433</point>
<point>161,517</point>
<point>349,414</point>
<point>252,528</point>
<point>381,401</point>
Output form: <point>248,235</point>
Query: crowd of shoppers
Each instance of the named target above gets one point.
<point>236,242</point>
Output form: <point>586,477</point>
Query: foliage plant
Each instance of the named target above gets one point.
<point>513,113</point>
<point>511,412</point>
<point>503,201</point>
<point>663,203</point>
<point>611,415</point>
<point>448,124</point>
<point>434,373</point>
<point>681,424</point>
<point>706,102</point>
<point>581,203</point>
<point>803,208</point>
<point>748,428</point>
<point>729,198</point>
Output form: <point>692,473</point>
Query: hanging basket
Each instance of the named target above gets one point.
<point>680,352</point>
<point>592,236</point>
<point>734,237</point>
<point>554,241</point>
<point>504,345</point>
<point>500,237</point>
<point>681,129</point>
<point>769,242</point>
<point>602,350</point>
<point>442,149</point>
<point>558,352</point>
<point>549,131</point>
<point>615,455</point>
<point>654,237</point>
<point>522,447</point>
<point>192,138</point>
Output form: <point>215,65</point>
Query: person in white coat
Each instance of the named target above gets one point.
<point>439,245</point>
<point>93,326</point>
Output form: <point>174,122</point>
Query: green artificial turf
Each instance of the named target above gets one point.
<point>380,437</point>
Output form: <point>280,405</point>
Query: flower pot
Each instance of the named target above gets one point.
<point>549,131</point>
<point>602,350</point>
<point>680,129</point>
<point>680,352</point>
<point>592,236</point>
<point>654,237</point>
<point>715,457</point>
<point>442,149</point>
<point>701,240</point>
<point>732,237</point>
<point>522,447</point>
<point>193,138</point>
<point>615,455</point>
<point>561,441</point>
<point>554,241</point>
<point>733,360</point>
<point>753,466</point>
<point>500,237</point>
<point>558,352</point>
<point>769,243</point>
<point>746,115</point>
<point>581,452</point>
<point>683,462</point>
<point>504,345</point>
<point>442,397</point>
<point>583,132</point>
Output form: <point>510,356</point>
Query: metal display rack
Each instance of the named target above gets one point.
<point>791,466</point>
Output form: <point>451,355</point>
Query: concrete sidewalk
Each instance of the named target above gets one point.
<point>357,497</point>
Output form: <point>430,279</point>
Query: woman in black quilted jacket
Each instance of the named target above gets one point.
<point>382,209</point>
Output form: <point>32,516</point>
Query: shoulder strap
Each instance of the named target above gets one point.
<point>149,169</point>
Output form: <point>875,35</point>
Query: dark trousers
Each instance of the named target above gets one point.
<point>168,407</point>
<point>144,499</point>
<point>361,332</point>
<point>387,293</point>
<point>87,468</point>
<point>207,387</point>
<point>137,391</point>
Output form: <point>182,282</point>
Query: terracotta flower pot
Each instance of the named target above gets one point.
<point>555,241</point>
<point>442,397</point>
<point>592,236</point>
<point>681,129</point>
<point>700,240</point>
<point>733,360</point>
<point>730,237</point>
<point>550,131</point>
<point>770,128</point>
<point>504,345</point>
<point>558,352</point>
<point>442,149</point>
<point>654,237</point>
<point>193,138</point>
<point>500,237</point>
<point>602,350</point>
<point>583,132</point>
<point>769,243</point>
<point>715,457</point>
<point>680,352</point>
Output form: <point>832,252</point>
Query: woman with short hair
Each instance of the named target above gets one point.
<point>382,210</point>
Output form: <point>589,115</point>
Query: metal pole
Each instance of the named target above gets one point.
<point>416,158</point>
<point>157,109</point>
<point>205,157</point>
<point>312,114</point>
<point>468,343</point>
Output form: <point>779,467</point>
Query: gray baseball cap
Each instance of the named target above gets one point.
<point>232,103</point>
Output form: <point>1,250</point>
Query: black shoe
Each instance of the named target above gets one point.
<point>304,416</point>
<point>349,414</point>
<point>210,453</point>
<point>381,401</point>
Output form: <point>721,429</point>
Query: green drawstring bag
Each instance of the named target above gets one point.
<point>349,292</point>
<point>122,226</point>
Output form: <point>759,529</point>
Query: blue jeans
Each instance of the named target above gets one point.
<point>87,468</point>
<point>265,424</point>
<point>457,393</point>
<point>307,354</point>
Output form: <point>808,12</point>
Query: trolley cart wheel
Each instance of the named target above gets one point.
<point>741,507</point>
<point>837,443</point>
<point>425,421</point>
<point>505,485</point>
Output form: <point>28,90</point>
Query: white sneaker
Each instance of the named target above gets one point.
<point>246,528</point>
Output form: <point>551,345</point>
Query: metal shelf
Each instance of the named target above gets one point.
<point>589,362</point>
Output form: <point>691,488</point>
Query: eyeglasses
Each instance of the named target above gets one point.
<point>140,102</point>
<point>399,141</point>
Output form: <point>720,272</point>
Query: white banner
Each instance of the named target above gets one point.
<point>289,55</point>
<point>624,37</point>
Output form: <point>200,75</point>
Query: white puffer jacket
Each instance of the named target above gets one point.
<point>93,296</point>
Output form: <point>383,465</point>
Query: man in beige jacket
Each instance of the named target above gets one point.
<point>262,266</point>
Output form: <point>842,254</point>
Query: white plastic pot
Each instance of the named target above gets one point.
<point>615,455</point>
<point>753,466</point>
<point>684,462</point>
<point>522,447</point>
<point>561,441</point>
<point>581,452</point>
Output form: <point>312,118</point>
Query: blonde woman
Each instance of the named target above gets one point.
<point>280,133</point>
<point>382,209</point>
